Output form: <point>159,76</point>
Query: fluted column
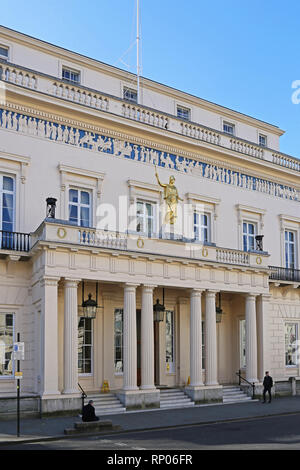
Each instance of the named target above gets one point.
<point>263,335</point>
<point>195,338</point>
<point>251,338</point>
<point>211,371</point>
<point>71,336</point>
<point>130,338</point>
<point>49,335</point>
<point>147,339</point>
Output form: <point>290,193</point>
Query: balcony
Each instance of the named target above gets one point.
<point>16,242</point>
<point>114,106</point>
<point>284,275</point>
<point>60,232</point>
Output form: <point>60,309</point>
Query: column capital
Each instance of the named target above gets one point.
<point>251,295</point>
<point>196,292</point>
<point>49,281</point>
<point>130,285</point>
<point>148,286</point>
<point>69,282</point>
<point>211,292</point>
<point>265,297</point>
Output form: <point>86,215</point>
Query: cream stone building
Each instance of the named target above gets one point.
<point>226,272</point>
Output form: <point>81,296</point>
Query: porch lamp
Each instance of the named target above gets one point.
<point>219,311</point>
<point>159,309</point>
<point>89,306</point>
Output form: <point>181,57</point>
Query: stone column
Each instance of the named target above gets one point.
<point>195,339</point>
<point>211,371</point>
<point>71,336</point>
<point>147,339</point>
<point>130,338</point>
<point>263,334</point>
<point>49,336</point>
<point>251,338</point>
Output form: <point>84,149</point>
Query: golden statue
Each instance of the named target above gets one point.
<point>171,197</point>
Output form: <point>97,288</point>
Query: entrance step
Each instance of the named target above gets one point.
<point>174,398</point>
<point>105,404</point>
<point>233,394</point>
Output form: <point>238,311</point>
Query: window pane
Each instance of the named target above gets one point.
<point>118,340</point>
<point>6,344</point>
<point>8,200</point>
<point>85,197</point>
<point>8,183</point>
<point>84,216</point>
<point>73,213</point>
<point>73,195</point>
<point>291,350</point>
<point>3,51</point>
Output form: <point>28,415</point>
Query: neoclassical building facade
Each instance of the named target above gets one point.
<point>103,286</point>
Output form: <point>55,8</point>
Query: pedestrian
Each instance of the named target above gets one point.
<point>88,412</point>
<point>268,384</point>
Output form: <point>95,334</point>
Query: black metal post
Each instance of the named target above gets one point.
<point>18,393</point>
<point>253,392</point>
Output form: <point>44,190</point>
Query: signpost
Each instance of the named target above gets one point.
<point>19,355</point>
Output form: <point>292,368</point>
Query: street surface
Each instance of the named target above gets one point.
<point>275,432</point>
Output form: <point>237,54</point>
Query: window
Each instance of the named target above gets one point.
<point>262,140</point>
<point>85,345</point>
<point>202,227</point>
<point>70,75</point>
<point>290,249</point>
<point>291,344</point>
<point>145,218</point>
<point>130,95</point>
<point>6,344</point>
<point>228,128</point>
<point>3,52</point>
<point>170,357</point>
<point>242,334</point>
<point>183,113</point>
<point>249,232</point>
<point>80,207</point>
<point>7,211</point>
<point>118,340</point>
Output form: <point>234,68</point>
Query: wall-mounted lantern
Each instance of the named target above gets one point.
<point>159,309</point>
<point>219,311</point>
<point>88,308</point>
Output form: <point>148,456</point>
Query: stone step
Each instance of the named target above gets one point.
<point>176,405</point>
<point>231,400</point>
<point>178,400</point>
<point>113,411</point>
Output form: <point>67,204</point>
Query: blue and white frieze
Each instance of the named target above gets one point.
<point>99,143</point>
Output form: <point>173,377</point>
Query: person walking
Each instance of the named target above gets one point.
<point>88,412</point>
<point>268,384</point>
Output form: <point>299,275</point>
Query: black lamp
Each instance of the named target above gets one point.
<point>159,309</point>
<point>219,311</point>
<point>89,306</point>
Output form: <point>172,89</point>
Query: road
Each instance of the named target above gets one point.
<point>276,432</point>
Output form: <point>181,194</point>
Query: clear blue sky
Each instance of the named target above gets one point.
<point>241,54</point>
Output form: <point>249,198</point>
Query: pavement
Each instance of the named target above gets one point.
<point>52,428</point>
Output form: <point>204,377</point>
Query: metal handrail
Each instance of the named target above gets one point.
<point>83,396</point>
<point>245,380</point>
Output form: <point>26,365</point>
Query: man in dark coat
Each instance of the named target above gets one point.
<point>268,384</point>
<point>88,412</point>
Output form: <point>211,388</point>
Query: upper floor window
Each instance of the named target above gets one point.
<point>262,140</point>
<point>130,95</point>
<point>202,227</point>
<point>228,128</point>
<point>145,215</point>
<point>70,75</point>
<point>6,344</point>
<point>183,113</point>
<point>249,232</point>
<point>7,203</point>
<point>290,249</point>
<point>3,52</point>
<point>80,207</point>
<point>118,340</point>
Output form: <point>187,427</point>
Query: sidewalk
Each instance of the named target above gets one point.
<point>53,428</point>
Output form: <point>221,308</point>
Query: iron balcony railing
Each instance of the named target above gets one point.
<point>284,274</point>
<point>14,241</point>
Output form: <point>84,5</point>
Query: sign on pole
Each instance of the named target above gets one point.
<point>19,351</point>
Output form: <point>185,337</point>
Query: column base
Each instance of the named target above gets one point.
<point>205,393</point>
<point>139,399</point>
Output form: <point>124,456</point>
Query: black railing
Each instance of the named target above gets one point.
<point>83,396</point>
<point>15,241</point>
<point>284,274</point>
<point>252,384</point>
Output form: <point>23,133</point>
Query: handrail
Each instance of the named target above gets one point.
<point>83,396</point>
<point>245,380</point>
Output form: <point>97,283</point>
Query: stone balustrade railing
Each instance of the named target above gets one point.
<point>286,161</point>
<point>102,238</point>
<point>246,148</point>
<point>92,98</point>
<point>200,133</point>
<point>145,115</point>
<point>228,256</point>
